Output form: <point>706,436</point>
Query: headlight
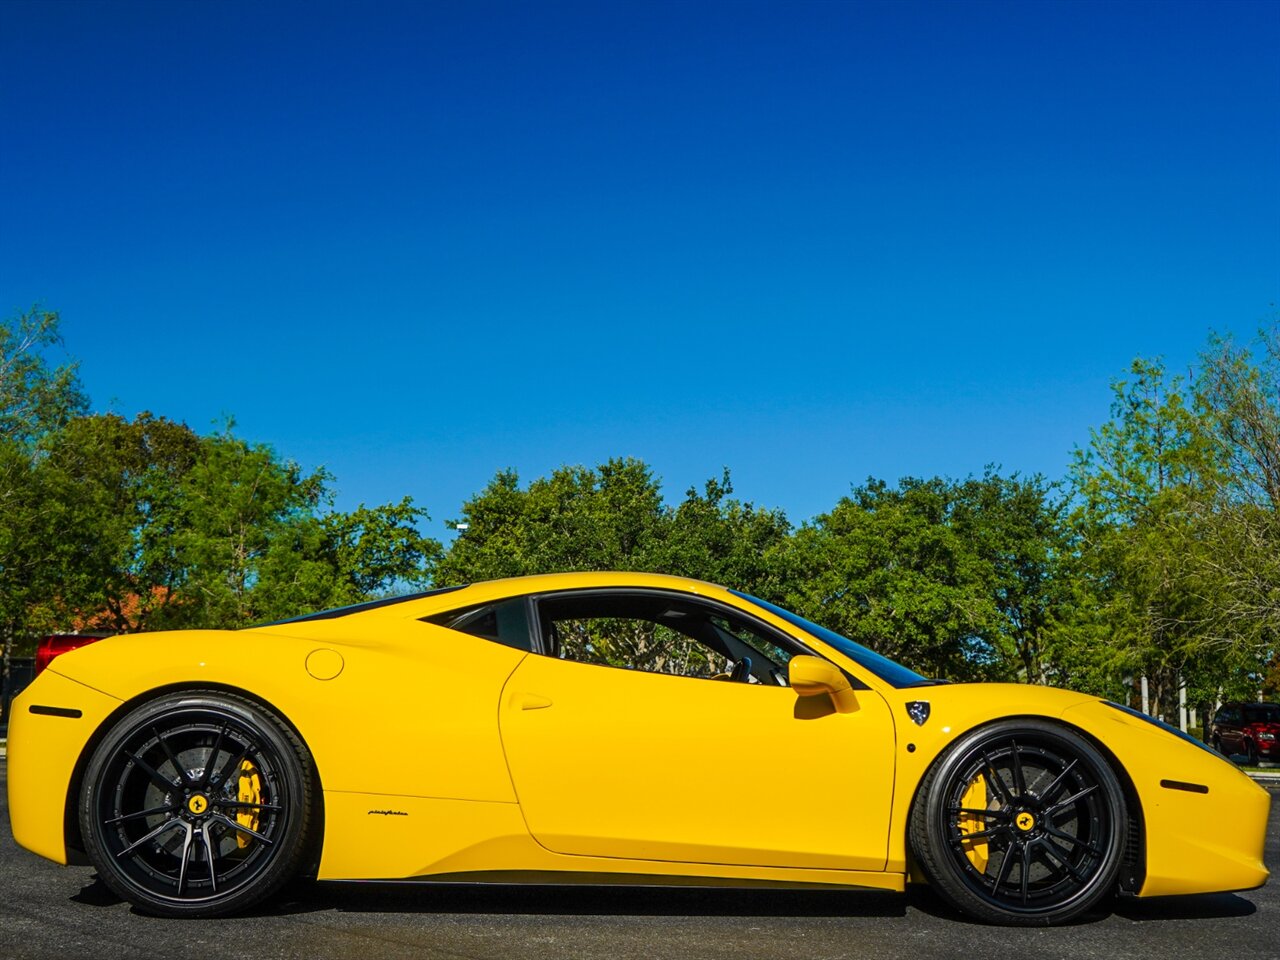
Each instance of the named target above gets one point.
<point>1266,736</point>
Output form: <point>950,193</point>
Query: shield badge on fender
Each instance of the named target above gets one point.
<point>918,710</point>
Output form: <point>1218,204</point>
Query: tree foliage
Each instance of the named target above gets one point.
<point>152,526</point>
<point>951,578</point>
<point>1160,557</point>
<point>1237,512</point>
<point>36,399</point>
<point>1179,522</point>
<point>579,518</point>
<point>1134,483</point>
<point>610,517</point>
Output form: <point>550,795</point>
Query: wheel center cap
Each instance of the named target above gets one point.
<point>198,804</point>
<point>1025,821</point>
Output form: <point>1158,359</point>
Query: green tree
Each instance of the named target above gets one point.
<point>373,549</point>
<point>157,527</point>
<point>243,509</point>
<point>887,568</point>
<point>37,397</point>
<point>612,517</point>
<point>1136,484</point>
<point>579,518</point>
<point>112,487</point>
<point>712,536</point>
<point>258,539</point>
<point>1017,528</point>
<point>959,579</point>
<point>1238,391</point>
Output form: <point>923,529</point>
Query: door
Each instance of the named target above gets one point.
<point>1229,731</point>
<point>641,733</point>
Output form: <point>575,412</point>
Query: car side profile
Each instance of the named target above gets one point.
<point>1247,729</point>
<point>602,727</point>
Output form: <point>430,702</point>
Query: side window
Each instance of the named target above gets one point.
<point>750,641</point>
<point>659,634</point>
<point>506,622</point>
<point>635,643</point>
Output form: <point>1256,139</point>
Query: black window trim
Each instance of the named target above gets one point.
<point>467,611</point>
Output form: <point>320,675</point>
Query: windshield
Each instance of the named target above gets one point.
<point>882,667</point>
<point>1262,714</point>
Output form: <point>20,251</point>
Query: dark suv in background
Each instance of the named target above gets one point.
<point>1248,729</point>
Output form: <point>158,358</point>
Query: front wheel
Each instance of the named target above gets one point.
<point>1021,823</point>
<point>197,804</point>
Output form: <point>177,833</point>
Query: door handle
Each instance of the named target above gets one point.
<point>529,701</point>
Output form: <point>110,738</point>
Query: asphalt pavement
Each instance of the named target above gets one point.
<point>47,911</point>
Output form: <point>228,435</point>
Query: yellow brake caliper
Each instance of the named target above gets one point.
<point>250,792</point>
<point>975,798</point>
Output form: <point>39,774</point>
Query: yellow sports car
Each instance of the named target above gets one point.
<point>602,727</point>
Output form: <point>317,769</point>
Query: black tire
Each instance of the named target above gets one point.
<point>1250,754</point>
<point>1217,746</point>
<point>1044,842</point>
<point>198,804</point>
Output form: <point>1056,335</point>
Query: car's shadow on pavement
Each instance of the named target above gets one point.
<point>1201,906</point>
<point>588,900</point>
<point>568,900</point>
<point>95,893</point>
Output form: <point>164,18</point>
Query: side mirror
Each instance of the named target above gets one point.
<point>813,676</point>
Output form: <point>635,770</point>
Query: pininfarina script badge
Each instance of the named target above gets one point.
<point>918,710</point>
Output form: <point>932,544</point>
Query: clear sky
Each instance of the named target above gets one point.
<point>813,242</point>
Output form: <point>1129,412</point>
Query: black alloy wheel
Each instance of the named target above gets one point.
<point>1021,823</point>
<point>198,804</point>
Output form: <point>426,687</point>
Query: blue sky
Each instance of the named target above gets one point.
<point>813,242</point>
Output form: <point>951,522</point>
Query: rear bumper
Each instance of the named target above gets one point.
<point>53,720</point>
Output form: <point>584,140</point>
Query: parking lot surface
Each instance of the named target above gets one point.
<point>47,911</point>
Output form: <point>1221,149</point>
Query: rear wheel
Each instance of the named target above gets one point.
<point>197,804</point>
<point>1250,754</point>
<point>1021,823</point>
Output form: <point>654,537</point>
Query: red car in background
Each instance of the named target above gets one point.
<point>17,672</point>
<point>1247,729</point>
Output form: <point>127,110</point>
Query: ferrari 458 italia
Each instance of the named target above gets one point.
<point>602,727</point>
